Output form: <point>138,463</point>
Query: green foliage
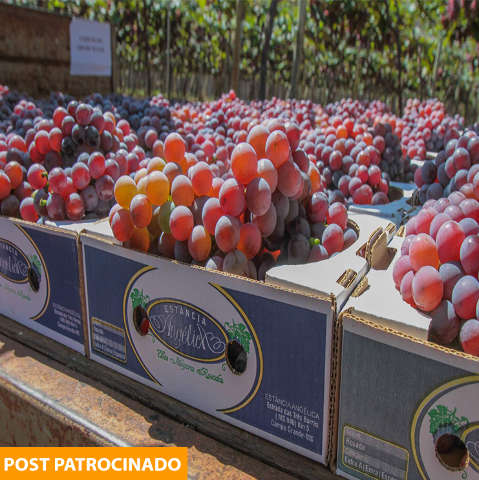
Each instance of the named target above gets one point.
<point>139,299</point>
<point>34,260</point>
<point>237,331</point>
<point>386,49</point>
<point>441,416</point>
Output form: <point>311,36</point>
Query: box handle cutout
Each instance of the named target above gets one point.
<point>451,452</point>
<point>141,320</point>
<point>347,278</point>
<point>236,357</point>
<point>33,279</point>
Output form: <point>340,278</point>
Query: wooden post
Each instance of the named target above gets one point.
<point>298,49</point>
<point>273,8</point>
<point>168,55</point>
<point>240,12</point>
<point>147,48</point>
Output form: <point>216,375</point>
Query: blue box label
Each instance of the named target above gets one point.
<point>40,281</point>
<point>195,317</point>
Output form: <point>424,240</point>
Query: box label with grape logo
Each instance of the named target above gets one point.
<point>40,281</point>
<point>420,400</point>
<point>252,355</point>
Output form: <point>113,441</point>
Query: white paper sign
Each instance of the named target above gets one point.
<point>90,48</point>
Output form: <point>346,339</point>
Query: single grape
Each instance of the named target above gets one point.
<point>158,188</point>
<point>57,180</point>
<point>201,178</point>
<point>125,189</point>
<point>401,267</point>
<point>96,165</point>
<point>80,175</point>
<point>27,210</point>
<point>423,251</point>
<point>140,211</point>
<point>139,240</point>
<point>90,198</point>
<point>449,239</point>
<point>333,239</point>
<point>257,137</point>
<point>299,249</point>
<point>181,222</point>
<point>258,196</point>
<point>267,222</point>
<point>56,207</point>
<point>427,288</point>
<point>211,213</point>
<point>337,214</point>
<point>277,148</point>
<point>289,179</point>
<point>199,243</point>
<point>469,255</point>
<point>244,163</point>
<point>350,236</point>
<point>166,245</point>
<point>451,273</point>
<point>465,295</point>
<point>250,240</point>
<point>227,233</point>
<point>406,288</point>
<point>469,226</point>
<point>10,206</point>
<point>444,325</point>
<point>267,171</point>
<point>235,262</point>
<point>469,337</point>
<point>74,207</point>
<point>182,191</point>
<point>436,223</point>
<point>232,198</point>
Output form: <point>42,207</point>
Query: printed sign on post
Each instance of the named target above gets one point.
<point>90,48</point>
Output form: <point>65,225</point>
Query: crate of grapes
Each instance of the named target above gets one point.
<point>407,406</point>
<point>254,354</point>
<point>417,324</point>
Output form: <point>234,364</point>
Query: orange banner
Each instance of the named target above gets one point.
<point>168,463</point>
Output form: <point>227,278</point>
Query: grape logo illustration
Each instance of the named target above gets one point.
<point>445,431</point>
<point>24,279</point>
<point>206,337</point>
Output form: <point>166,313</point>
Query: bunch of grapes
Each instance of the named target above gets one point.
<point>347,157</point>
<point>437,271</point>
<point>452,169</point>
<point>428,127</point>
<point>66,167</point>
<point>393,162</point>
<point>243,214</point>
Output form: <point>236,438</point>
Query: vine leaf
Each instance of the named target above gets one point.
<point>139,298</point>
<point>237,331</point>
<point>35,261</point>
<point>441,416</point>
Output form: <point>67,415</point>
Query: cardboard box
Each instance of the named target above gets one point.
<point>382,303</point>
<point>255,355</point>
<point>339,275</point>
<point>40,281</point>
<point>408,407</point>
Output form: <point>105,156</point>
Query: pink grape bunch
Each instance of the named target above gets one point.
<point>428,127</point>
<point>243,214</point>
<point>39,178</point>
<point>438,269</point>
<point>347,157</point>
<point>453,169</point>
